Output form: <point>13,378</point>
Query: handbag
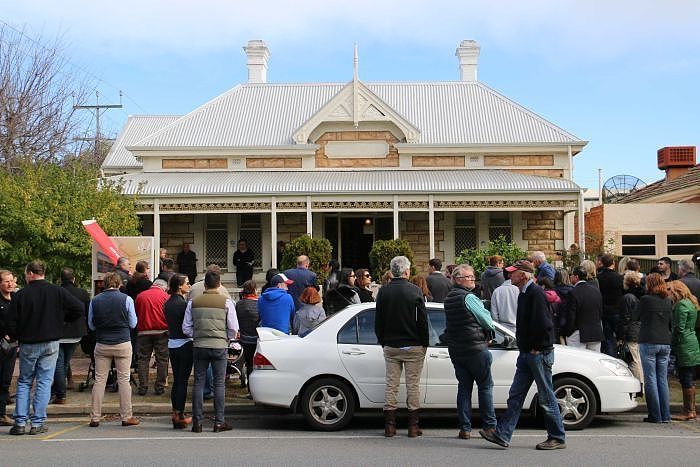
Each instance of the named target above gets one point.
<point>7,349</point>
<point>623,352</point>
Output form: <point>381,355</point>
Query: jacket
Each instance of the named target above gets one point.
<point>149,310</point>
<point>276,309</point>
<point>340,297</point>
<point>684,340</point>
<point>112,316</point>
<point>533,326</point>
<point>209,321</point>
<point>400,319</point>
<point>302,278</point>
<point>365,295</point>
<point>243,260</point>
<point>584,310</point>
<point>174,311</point>
<point>37,312</point>
<point>504,305</point>
<point>308,317</point>
<point>135,286</point>
<point>628,327</point>
<point>78,328</point>
<point>248,318</point>
<point>610,284</point>
<point>439,286</point>
<point>463,333</point>
<point>490,280</point>
<point>654,314</point>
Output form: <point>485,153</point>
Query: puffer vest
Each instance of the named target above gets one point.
<point>209,320</point>
<point>464,334</point>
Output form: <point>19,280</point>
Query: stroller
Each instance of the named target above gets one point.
<point>87,345</point>
<point>234,363</point>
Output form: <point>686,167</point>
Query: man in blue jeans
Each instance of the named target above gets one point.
<point>36,317</point>
<point>533,332</point>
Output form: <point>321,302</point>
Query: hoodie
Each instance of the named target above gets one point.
<point>276,309</point>
<point>490,279</point>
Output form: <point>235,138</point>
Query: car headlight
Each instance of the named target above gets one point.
<point>617,367</point>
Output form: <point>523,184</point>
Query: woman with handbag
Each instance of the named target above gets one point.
<point>685,344</point>
<point>628,327</point>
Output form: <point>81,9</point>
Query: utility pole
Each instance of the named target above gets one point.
<point>600,186</point>
<point>98,109</point>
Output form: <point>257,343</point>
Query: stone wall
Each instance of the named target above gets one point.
<point>391,160</point>
<point>176,229</point>
<point>290,225</point>
<point>542,230</point>
<point>273,162</point>
<point>437,161</point>
<point>414,229</point>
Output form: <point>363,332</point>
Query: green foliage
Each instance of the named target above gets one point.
<point>42,208</point>
<point>383,251</point>
<point>318,250</point>
<point>479,258</point>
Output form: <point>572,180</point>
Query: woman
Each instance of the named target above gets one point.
<point>363,279</point>
<point>422,284</point>
<point>179,347</point>
<point>333,275</point>
<point>591,272</point>
<point>310,314</point>
<point>685,344</point>
<point>654,314</point>
<point>139,281</point>
<point>344,294</point>
<point>628,326</point>
<point>248,320</point>
<point>111,315</point>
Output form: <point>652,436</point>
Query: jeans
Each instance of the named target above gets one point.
<point>248,354</point>
<point>209,383</point>
<point>610,323</point>
<point>181,362</point>
<point>655,364</point>
<point>475,366</point>
<point>529,368</point>
<point>202,358</point>
<point>65,353</point>
<point>7,368</point>
<point>36,362</point>
<point>396,360</point>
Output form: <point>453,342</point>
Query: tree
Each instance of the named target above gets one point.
<point>42,208</point>
<point>383,251</point>
<point>478,258</point>
<point>37,93</point>
<point>318,250</point>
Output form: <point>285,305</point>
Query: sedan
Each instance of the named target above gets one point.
<point>338,368</point>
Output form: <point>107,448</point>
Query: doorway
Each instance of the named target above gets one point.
<point>352,237</point>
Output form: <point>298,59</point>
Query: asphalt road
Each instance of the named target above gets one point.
<point>264,437</point>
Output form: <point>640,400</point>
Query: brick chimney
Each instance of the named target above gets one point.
<point>676,160</point>
<point>468,54</point>
<point>258,55</point>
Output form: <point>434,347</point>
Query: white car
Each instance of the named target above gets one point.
<point>338,368</point>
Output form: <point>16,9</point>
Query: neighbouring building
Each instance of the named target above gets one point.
<point>445,165</point>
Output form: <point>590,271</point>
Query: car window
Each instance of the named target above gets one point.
<point>436,327</point>
<point>503,341</point>
<point>348,333</point>
<point>359,330</point>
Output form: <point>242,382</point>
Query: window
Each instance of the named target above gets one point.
<point>359,330</point>
<point>639,245</point>
<point>499,225</point>
<point>683,244</point>
<point>465,232</point>
<point>250,230</point>
<point>217,240</point>
<point>436,327</point>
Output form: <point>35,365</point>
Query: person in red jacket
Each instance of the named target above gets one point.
<point>152,336</point>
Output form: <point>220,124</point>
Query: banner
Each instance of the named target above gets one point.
<point>105,243</point>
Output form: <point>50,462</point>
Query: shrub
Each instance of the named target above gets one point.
<point>383,251</point>
<point>318,250</point>
<point>479,258</point>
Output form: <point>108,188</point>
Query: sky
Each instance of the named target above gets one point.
<point>623,75</point>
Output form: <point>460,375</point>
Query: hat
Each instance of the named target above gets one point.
<point>279,278</point>
<point>521,265</point>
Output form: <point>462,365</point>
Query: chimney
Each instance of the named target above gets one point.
<point>676,160</point>
<point>258,55</point>
<point>468,54</point>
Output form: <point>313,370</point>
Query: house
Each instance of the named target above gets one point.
<point>445,165</point>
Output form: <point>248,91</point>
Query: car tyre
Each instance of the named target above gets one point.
<point>328,404</point>
<point>577,402</point>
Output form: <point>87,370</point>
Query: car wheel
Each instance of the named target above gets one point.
<point>328,404</point>
<point>577,403</point>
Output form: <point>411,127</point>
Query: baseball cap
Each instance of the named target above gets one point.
<point>521,265</point>
<point>279,278</point>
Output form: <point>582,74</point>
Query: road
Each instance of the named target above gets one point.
<point>265,437</point>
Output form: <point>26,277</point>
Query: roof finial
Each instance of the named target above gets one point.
<point>355,63</point>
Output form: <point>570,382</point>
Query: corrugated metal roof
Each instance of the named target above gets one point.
<point>136,128</point>
<point>267,114</point>
<point>662,187</point>
<point>246,183</point>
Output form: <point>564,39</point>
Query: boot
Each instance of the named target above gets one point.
<point>389,423</point>
<point>692,414</point>
<point>179,421</point>
<point>413,428</point>
<point>685,415</point>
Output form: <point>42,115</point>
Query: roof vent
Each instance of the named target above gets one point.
<point>258,55</point>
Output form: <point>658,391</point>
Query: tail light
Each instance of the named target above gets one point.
<point>260,362</point>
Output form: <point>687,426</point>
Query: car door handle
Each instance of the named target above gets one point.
<point>439,355</point>
<point>353,352</point>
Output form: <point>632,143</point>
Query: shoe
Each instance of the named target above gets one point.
<point>413,428</point>
<point>94,424</point>
<point>464,434</point>
<point>59,401</point>
<point>197,428</point>
<point>6,421</point>
<point>159,391</point>
<point>550,445</point>
<point>38,429</point>
<point>219,427</point>
<point>249,396</point>
<point>131,421</point>
<point>142,391</point>
<point>17,430</point>
<point>389,423</point>
<point>491,436</point>
<point>650,420</point>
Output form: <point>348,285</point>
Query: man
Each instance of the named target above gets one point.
<point>7,362</point>
<point>582,314</point>
<point>198,288</point>
<point>504,304</point>
<point>492,277</point>
<point>610,285</point>
<point>187,262</point>
<point>468,330</point>
<point>243,259</point>
<point>211,320</point>
<point>401,326</point>
<point>686,271</point>
<point>664,267</point>
<point>123,265</point>
<point>276,306</point>
<point>36,317</point>
<point>438,284</point>
<point>301,278</point>
<point>152,337</point>
<point>162,254</point>
<point>167,270</point>
<point>544,269</point>
<point>535,360</point>
<point>72,333</point>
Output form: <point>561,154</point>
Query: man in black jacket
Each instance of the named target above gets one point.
<point>610,284</point>
<point>243,259</point>
<point>7,360</point>
<point>583,312</point>
<point>438,284</point>
<point>535,361</point>
<point>36,317</point>
<point>401,326</point>
<point>467,341</point>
